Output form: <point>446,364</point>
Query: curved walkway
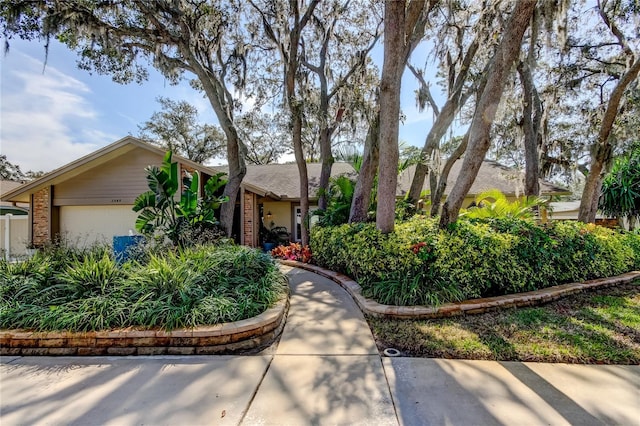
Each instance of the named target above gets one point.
<point>325,370</point>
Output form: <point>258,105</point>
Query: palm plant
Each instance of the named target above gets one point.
<point>160,212</point>
<point>340,195</point>
<point>621,187</point>
<point>494,204</point>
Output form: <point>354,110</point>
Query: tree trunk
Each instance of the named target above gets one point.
<point>601,151</point>
<point>237,171</point>
<point>436,196</point>
<point>236,151</point>
<point>506,54</point>
<point>439,128</point>
<point>302,171</point>
<point>295,108</point>
<point>392,68</point>
<point>366,176</point>
<point>443,121</point>
<point>326,158</point>
<point>532,118</point>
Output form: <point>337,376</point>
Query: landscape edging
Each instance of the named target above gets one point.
<point>468,307</point>
<point>233,337</point>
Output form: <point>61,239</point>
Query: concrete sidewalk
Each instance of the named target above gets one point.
<point>325,370</point>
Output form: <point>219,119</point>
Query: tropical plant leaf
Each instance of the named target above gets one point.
<point>144,200</point>
<point>145,222</point>
<point>189,201</point>
<point>494,204</point>
<point>177,219</point>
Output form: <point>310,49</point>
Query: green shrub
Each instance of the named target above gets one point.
<point>632,240</point>
<point>419,264</point>
<point>88,290</point>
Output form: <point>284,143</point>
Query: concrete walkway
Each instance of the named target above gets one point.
<point>325,370</point>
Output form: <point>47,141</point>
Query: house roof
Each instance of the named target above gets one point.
<point>492,175</point>
<point>81,165</point>
<point>278,181</point>
<point>282,181</point>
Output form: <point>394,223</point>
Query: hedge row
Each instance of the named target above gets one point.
<point>421,265</point>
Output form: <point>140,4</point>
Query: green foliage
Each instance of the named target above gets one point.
<point>88,290</point>
<point>405,209</point>
<point>9,171</point>
<point>621,186</point>
<point>632,240</point>
<point>339,196</point>
<point>176,128</point>
<point>419,264</point>
<point>494,204</point>
<point>160,214</point>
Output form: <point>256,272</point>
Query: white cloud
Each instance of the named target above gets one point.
<point>47,119</point>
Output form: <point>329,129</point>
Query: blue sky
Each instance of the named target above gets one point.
<point>49,119</point>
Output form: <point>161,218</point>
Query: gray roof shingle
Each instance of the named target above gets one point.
<point>283,179</point>
<point>491,175</point>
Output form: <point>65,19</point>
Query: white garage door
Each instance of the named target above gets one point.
<point>86,225</point>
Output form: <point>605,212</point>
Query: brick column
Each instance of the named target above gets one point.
<point>248,214</point>
<point>41,216</point>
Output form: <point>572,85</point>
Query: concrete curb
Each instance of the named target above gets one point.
<point>249,334</point>
<point>468,307</point>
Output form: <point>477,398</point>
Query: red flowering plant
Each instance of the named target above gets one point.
<point>294,251</point>
<point>424,251</point>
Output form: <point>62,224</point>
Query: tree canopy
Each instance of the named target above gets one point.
<point>9,171</point>
<point>176,128</point>
<point>549,87</point>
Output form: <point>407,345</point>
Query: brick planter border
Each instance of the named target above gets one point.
<point>468,307</point>
<point>246,335</point>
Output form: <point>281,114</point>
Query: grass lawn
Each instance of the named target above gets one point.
<point>596,327</point>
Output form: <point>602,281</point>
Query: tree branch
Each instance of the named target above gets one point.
<point>425,87</point>
<point>622,40</point>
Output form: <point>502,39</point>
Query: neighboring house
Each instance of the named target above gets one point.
<point>492,175</point>
<point>17,223</point>
<point>90,200</point>
<point>17,209</point>
<point>568,210</point>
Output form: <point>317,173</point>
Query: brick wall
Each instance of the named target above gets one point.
<point>248,214</point>
<point>41,215</point>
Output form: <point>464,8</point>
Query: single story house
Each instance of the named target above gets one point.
<point>91,199</point>
<point>568,210</point>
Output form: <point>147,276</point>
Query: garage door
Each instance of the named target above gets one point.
<point>87,225</point>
